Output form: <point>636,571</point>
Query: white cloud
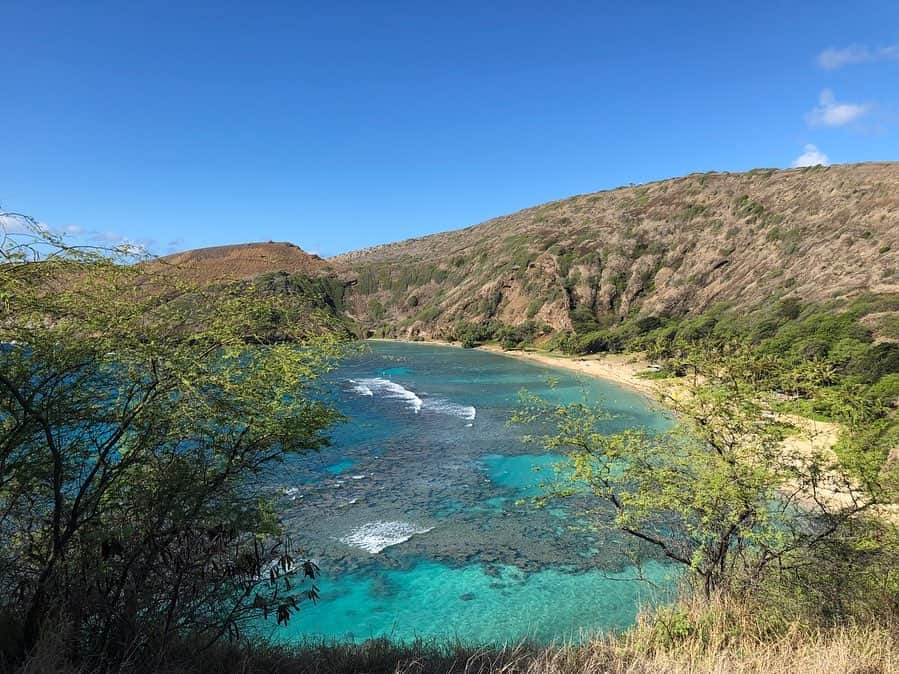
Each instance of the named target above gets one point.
<point>830,112</point>
<point>108,237</point>
<point>123,244</point>
<point>831,59</point>
<point>812,156</point>
<point>14,224</point>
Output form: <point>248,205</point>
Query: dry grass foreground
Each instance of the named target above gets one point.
<point>721,637</point>
<point>849,650</point>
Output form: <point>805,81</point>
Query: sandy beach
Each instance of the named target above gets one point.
<point>621,368</point>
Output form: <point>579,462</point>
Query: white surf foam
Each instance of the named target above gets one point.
<point>376,536</point>
<point>387,389</point>
<point>467,412</point>
<point>361,388</point>
<point>390,389</point>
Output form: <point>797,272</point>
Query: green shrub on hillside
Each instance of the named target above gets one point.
<point>583,319</point>
<point>517,336</point>
<point>376,310</point>
<point>471,335</point>
<point>886,390</point>
<point>599,341</point>
<point>534,307</point>
<point>875,362</point>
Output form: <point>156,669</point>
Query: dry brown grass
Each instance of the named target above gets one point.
<point>723,639</point>
<point>673,247</point>
<point>851,650</point>
<point>241,261</point>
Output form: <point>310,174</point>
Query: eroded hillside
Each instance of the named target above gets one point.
<point>673,247</point>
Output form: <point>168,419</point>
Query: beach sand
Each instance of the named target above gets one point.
<point>620,368</point>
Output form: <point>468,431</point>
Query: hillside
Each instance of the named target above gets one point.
<point>668,248</point>
<point>245,261</point>
<point>314,287</point>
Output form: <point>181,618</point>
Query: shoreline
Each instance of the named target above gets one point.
<point>622,369</point>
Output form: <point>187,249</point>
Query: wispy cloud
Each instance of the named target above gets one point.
<point>831,59</point>
<point>174,246</point>
<point>107,237</point>
<point>114,240</point>
<point>811,156</point>
<point>13,224</point>
<point>830,112</point>
<point>76,235</point>
<point>71,230</point>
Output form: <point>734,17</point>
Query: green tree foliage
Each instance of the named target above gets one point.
<point>471,335</point>
<point>516,336</point>
<point>321,293</point>
<point>886,390</point>
<point>719,493</point>
<point>376,309</point>
<point>138,416</point>
<point>875,362</point>
<point>583,319</point>
<point>599,341</point>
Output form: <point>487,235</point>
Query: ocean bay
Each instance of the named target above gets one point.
<point>420,513</point>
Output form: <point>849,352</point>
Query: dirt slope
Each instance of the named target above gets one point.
<point>671,247</point>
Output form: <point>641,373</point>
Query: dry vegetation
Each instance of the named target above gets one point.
<point>730,641</point>
<point>244,261</point>
<point>672,247</point>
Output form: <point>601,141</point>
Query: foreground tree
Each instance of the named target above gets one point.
<point>138,417</point>
<point>732,492</point>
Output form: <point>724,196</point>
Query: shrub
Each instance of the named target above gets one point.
<point>599,341</point>
<point>583,319</point>
<point>471,335</point>
<point>877,361</point>
<point>886,389</point>
<point>515,336</point>
<point>376,309</point>
<point>790,308</point>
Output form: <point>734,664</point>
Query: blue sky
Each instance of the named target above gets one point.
<point>338,125</point>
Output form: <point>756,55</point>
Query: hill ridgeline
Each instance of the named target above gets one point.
<point>669,248</point>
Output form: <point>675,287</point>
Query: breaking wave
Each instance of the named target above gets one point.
<point>387,389</point>
<point>467,412</point>
<point>378,386</point>
<point>376,536</point>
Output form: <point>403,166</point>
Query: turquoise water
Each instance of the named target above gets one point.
<point>421,518</point>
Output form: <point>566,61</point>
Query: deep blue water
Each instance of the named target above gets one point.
<point>420,514</point>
